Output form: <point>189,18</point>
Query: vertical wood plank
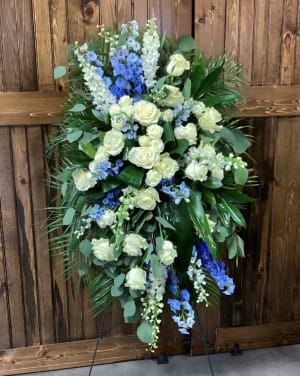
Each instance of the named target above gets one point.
<point>26,48</point>
<point>260,43</point>
<point>91,18</point>
<point>275,42</point>
<point>124,12</point>
<point>210,26</point>
<point>140,12</point>
<point>27,251</point>
<point>176,17</point>
<point>43,44</point>
<point>296,79</point>
<point>246,21</point>
<point>5,341</point>
<point>155,12</point>
<point>39,203</point>
<point>76,29</point>
<point>11,76</point>
<point>108,13</point>
<point>58,21</point>
<point>10,239</point>
<point>232,26</point>
<point>288,41</point>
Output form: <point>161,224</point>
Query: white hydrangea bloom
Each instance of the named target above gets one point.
<point>102,97</point>
<point>197,277</point>
<point>150,53</point>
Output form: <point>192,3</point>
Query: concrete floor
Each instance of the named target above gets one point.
<point>276,361</point>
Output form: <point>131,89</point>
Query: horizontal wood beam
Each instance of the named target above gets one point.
<point>258,336</point>
<point>36,108</point>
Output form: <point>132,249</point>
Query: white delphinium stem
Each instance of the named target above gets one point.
<point>153,304</point>
<point>102,97</point>
<point>197,276</point>
<point>150,53</point>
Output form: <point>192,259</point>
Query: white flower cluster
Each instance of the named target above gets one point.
<point>204,159</point>
<point>102,97</point>
<point>197,277</point>
<point>153,304</point>
<point>150,53</point>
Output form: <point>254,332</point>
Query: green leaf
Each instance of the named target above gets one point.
<point>236,197</point>
<point>159,241</point>
<point>101,116</point>
<point>186,43</point>
<point>209,197</point>
<point>132,175</point>
<point>241,141</point>
<point>212,183</point>
<point>145,331</point>
<point>85,247</point>
<point>156,266</point>
<point>59,71</point>
<point>163,39</point>
<point>232,247</point>
<point>83,269</point>
<point>180,148</point>
<point>165,223</point>
<point>241,175</point>
<point>209,80</point>
<point>227,98</point>
<point>118,281</point>
<point>198,73</point>
<point>160,83</point>
<point>74,136</point>
<point>221,233</point>
<point>168,135</point>
<point>109,184</point>
<point>199,219</point>
<point>129,308</point>
<point>68,217</point>
<point>240,246</point>
<point>235,213</point>
<point>88,149</point>
<point>78,107</point>
<point>187,89</point>
<point>116,291</point>
<point>64,189</point>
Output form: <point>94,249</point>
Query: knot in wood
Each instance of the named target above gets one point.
<point>202,19</point>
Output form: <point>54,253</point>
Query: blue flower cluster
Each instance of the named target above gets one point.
<point>215,269</point>
<point>92,58</point>
<point>127,69</point>
<point>130,131</point>
<point>182,113</point>
<point>175,192</point>
<point>183,313</point>
<point>105,169</point>
<point>110,201</point>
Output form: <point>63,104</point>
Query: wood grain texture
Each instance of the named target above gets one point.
<point>108,14</point>
<point>176,17</point>
<point>140,11</point>
<point>43,44</point>
<point>246,18</point>
<point>232,26</point>
<point>267,335</point>
<point>209,26</point>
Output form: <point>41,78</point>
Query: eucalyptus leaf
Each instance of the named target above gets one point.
<point>59,71</point>
<point>186,43</point>
<point>74,136</point>
<point>118,281</point>
<point>78,107</point>
<point>232,246</point>
<point>241,175</point>
<point>68,217</point>
<point>145,331</point>
<point>85,247</point>
<point>129,308</point>
<point>116,291</point>
<point>83,270</point>
<point>165,223</point>
<point>156,266</point>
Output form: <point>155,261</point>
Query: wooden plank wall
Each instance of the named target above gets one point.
<point>264,36</point>
<point>37,308</point>
<point>36,305</point>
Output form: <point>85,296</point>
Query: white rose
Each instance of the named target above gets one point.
<point>167,115</point>
<point>114,109</point>
<point>153,178</point>
<point>177,65</point>
<point>217,173</point>
<point>103,250</point>
<point>83,179</point>
<point>114,142</point>
<point>136,279</point>
<point>174,97</point>
<point>125,101</point>
<point>196,171</point>
<point>187,132</point>
<point>144,141</point>
<point>146,198</point>
<point>133,244</point>
<point>209,119</point>
<point>155,131</point>
<point>107,219</point>
<point>198,109</point>
<point>145,157</point>
<point>167,253</point>
<point>157,145</point>
<point>167,166</point>
<point>101,154</point>
<point>127,110</point>
<point>146,113</point>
